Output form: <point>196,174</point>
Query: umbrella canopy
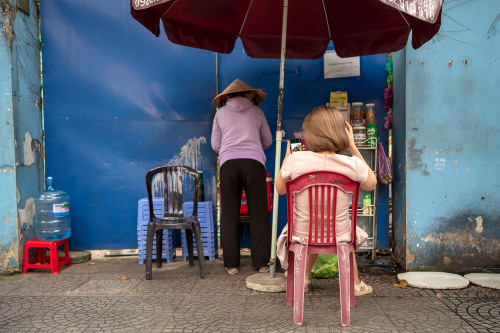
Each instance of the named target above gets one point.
<point>356,27</point>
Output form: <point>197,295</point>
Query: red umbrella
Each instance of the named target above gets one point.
<point>295,29</point>
<point>356,27</point>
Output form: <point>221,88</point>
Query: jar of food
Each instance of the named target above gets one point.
<point>359,135</point>
<point>356,123</point>
<point>357,111</point>
<point>370,111</point>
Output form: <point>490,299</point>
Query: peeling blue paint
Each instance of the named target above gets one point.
<point>21,152</point>
<point>446,180</point>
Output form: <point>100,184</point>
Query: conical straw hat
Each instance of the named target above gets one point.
<point>239,86</point>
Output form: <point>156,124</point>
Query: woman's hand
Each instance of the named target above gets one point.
<point>288,150</point>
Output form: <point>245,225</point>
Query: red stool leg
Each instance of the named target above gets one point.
<point>26,257</point>
<point>67,259</point>
<point>54,258</point>
<point>40,255</point>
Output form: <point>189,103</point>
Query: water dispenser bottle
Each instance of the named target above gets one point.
<point>52,220</point>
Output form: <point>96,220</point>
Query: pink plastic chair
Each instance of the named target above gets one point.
<point>322,187</point>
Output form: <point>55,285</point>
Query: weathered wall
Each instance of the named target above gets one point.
<point>399,157</point>
<point>21,162</point>
<point>447,179</point>
<point>117,102</point>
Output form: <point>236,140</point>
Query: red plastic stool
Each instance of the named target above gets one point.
<point>54,260</point>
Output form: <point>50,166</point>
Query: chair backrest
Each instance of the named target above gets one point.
<point>322,187</point>
<point>169,182</point>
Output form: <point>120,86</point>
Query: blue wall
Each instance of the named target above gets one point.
<point>446,210</point>
<point>119,101</point>
<point>21,151</point>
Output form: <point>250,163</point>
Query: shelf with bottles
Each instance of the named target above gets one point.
<point>368,144</point>
<point>360,211</point>
<point>367,210</point>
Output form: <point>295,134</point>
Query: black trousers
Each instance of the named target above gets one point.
<point>250,174</point>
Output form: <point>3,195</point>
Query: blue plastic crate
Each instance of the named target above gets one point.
<point>168,250</point>
<point>208,224</point>
<point>206,214</point>
<point>209,250</point>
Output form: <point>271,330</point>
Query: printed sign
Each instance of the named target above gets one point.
<point>143,4</point>
<point>425,10</point>
<point>335,66</point>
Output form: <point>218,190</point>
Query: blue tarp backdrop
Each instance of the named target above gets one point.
<point>119,101</point>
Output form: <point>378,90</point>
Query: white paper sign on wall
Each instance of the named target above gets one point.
<point>336,66</point>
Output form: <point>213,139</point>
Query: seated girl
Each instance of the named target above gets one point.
<point>327,136</point>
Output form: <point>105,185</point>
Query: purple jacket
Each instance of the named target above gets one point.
<point>240,130</point>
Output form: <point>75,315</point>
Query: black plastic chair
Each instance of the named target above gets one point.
<point>168,181</point>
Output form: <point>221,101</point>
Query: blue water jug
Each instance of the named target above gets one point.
<point>52,220</point>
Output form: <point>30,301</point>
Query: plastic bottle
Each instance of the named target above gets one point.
<point>371,133</point>
<point>367,204</point>
<point>201,192</point>
<point>52,219</point>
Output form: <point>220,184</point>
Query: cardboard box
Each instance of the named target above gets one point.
<point>338,99</point>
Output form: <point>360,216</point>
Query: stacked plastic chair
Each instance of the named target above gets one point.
<point>168,246</point>
<point>208,225</point>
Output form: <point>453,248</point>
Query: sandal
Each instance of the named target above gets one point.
<point>264,269</point>
<point>234,272</point>
<point>362,289</point>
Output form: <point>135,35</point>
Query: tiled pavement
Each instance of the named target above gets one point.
<point>112,295</point>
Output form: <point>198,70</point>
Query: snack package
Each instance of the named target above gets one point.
<point>338,99</point>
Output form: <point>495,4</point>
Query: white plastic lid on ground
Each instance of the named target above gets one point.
<point>488,280</point>
<point>434,280</point>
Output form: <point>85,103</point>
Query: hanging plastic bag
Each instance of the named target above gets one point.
<point>384,167</point>
<point>325,267</point>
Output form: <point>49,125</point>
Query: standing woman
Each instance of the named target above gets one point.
<point>240,134</point>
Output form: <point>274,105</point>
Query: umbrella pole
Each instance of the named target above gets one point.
<point>279,136</point>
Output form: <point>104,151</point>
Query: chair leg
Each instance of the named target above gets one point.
<point>351,280</point>
<point>66,253</point>
<point>159,248</point>
<point>54,258</point>
<point>189,240</point>
<point>199,248</point>
<point>289,279</point>
<point>26,259</point>
<point>298,290</point>
<point>40,255</point>
<point>149,251</point>
<point>344,284</point>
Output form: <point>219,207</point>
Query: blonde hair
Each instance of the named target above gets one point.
<point>324,130</point>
